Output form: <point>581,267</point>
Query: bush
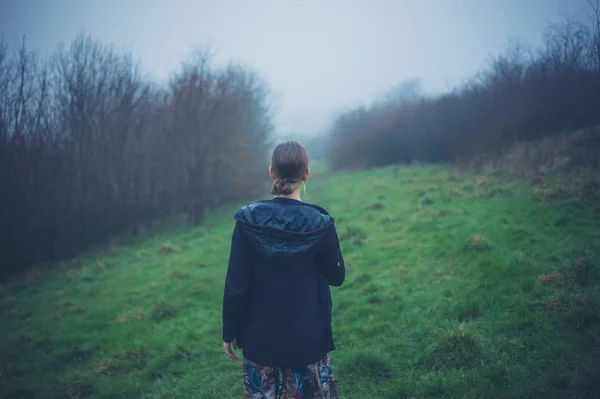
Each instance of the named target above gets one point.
<point>95,151</point>
<point>520,97</point>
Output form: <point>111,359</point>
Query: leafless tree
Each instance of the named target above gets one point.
<point>90,150</point>
<point>521,95</point>
<point>595,21</point>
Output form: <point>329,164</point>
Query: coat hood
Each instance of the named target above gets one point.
<point>284,226</point>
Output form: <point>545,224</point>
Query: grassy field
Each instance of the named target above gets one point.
<point>458,286</point>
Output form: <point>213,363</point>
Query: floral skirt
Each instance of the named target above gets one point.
<point>314,381</point>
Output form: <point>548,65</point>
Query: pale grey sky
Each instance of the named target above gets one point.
<point>318,56</point>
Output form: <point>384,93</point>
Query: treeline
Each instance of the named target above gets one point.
<point>90,149</point>
<point>522,95</point>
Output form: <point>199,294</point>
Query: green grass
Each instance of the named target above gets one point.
<point>458,286</point>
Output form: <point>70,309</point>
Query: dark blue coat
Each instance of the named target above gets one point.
<point>277,304</point>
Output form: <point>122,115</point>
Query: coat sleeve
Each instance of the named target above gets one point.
<point>237,284</point>
<point>333,261</point>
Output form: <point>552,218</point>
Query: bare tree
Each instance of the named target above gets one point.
<point>89,150</point>
<point>566,46</point>
<point>595,21</point>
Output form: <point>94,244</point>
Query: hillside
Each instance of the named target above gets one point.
<point>459,286</point>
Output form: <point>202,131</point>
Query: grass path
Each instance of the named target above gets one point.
<point>458,286</point>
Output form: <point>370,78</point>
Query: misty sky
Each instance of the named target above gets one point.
<point>318,56</point>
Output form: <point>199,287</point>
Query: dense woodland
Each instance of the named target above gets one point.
<point>91,150</point>
<point>524,94</point>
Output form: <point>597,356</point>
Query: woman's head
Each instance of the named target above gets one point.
<point>289,167</point>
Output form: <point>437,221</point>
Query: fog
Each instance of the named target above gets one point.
<point>455,145</point>
<point>318,56</point>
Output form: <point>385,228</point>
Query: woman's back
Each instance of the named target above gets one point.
<point>285,254</point>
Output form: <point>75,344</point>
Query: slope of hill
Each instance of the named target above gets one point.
<point>459,286</point>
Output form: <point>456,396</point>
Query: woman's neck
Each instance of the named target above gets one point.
<point>294,195</point>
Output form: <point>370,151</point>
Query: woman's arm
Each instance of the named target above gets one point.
<point>333,261</point>
<point>237,284</point>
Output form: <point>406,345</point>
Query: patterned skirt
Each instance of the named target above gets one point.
<point>314,381</point>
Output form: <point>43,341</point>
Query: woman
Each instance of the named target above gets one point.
<point>277,304</point>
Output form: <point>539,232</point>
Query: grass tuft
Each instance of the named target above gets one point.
<point>375,206</point>
<point>100,267</point>
<point>75,387</point>
<point>456,348</point>
<point>470,312</point>
<point>494,192</point>
<point>178,275</point>
<point>162,310</point>
<point>582,270</point>
<point>182,353</point>
<point>353,236</point>
<point>425,201</point>
<point>368,367</point>
<point>10,370</point>
<point>452,192</point>
<point>550,277</point>
<point>166,249</point>
<point>124,363</point>
<point>386,220</point>
<point>477,243</point>
<point>199,290</point>
<point>130,317</point>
